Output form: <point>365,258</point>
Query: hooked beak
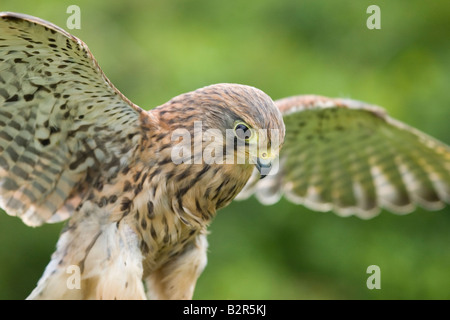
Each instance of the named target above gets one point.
<point>263,166</point>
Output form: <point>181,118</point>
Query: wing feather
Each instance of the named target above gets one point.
<point>350,157</point>
<point>61,120</point>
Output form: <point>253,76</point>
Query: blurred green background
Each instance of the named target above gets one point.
<point>155,50</point>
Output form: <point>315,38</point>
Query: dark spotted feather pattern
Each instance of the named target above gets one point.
<point>350,157</point>
<point>59,117</point>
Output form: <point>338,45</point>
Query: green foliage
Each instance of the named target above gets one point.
<point>155,50</point>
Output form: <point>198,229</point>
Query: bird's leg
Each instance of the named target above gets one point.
<point>118,274</point>
<point>176,279</point>
<point>94,261</point>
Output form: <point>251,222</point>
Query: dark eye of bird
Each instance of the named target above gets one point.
<point>243,132</point>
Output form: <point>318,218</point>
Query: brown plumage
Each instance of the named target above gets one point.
<point>81,149</point>
<point>140,188</point>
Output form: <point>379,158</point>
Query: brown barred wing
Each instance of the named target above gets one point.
<point>60,117</point>
<point>350,157</point>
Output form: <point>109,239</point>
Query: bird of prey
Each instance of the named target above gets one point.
<point>138,195</point>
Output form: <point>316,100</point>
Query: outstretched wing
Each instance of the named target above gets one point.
<point>62,123</point>
<point>350,157</point>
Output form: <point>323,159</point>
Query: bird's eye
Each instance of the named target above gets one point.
<point>242,131</point>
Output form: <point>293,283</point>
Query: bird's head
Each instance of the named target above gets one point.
<point>225,124</point>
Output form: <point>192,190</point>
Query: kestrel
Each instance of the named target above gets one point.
<point>73,147</point>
